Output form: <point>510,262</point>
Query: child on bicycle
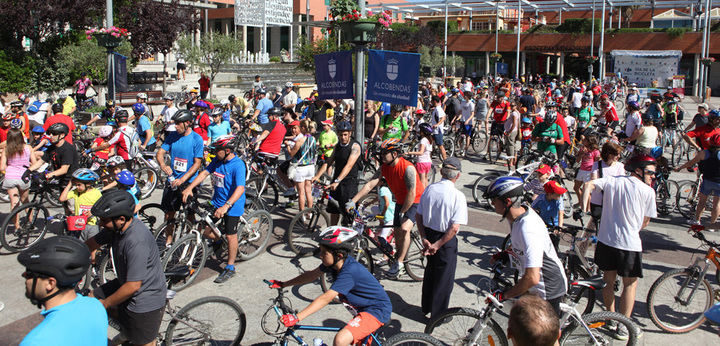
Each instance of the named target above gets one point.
<point>353,284</point>
<point>526,128</point>
<point>103,136</point>
<point>80,189</point>
<point>589,153</point>
<point>536,185</point>
<point>550,204</point>
<point>424,161</point>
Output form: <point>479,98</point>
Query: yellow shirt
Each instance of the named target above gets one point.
<point>68,105</point>
<point>85,202</point>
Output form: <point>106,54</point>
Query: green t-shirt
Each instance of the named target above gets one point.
<point>552,131</point>
<point>327,141</point>
<point>395,128</point>
<point>584,116</point>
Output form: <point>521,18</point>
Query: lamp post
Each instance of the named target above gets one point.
<point>110,67</point>
<point>445,43</point>
<point>592,42</point>
<point>517,49</point>
<point>602,45</point>
<point>360,85</point>
<point>497,23</point>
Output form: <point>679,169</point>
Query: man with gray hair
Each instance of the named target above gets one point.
<point>441,211</point>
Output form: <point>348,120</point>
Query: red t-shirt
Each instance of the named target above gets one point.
<point>3,134</point>
<point>61,118</point>
<point>204,84</point>
<point>202,122</point>
<point>560,121</point>
<point>102,154</point>
<point>611,114</point>
<point>703,134</point>
<point>596,90</point>
<point>273,142</point>
<point>395,177</point>
<point>501,110</point>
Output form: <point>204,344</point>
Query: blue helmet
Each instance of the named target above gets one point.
<point>656,152</point>
<point>125,178</point>
<point>38,129</point>
<point>715,113</point>
<point>504,187</point>
<point>16,123</point>
<point>85,175</point>
<point>138,108</point>
<point>526,120</point>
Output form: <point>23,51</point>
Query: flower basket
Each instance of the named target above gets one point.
<point>360,32</point>
<point>707,61</point>
<point>108,40</point>
<point>108,37</point>
<point>591,59</point>
<point>495,57</point>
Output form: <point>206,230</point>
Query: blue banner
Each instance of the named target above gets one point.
<point>334,75</point>
<point>393,77</point>
<point>502,68</point>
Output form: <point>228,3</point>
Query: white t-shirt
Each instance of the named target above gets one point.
<point>512,119</point>
<point>167,114</point>
<point>633,123</point>
<point>570,121</point>
<point>438,113</point>
<point>467,111</point>
<point>441,205</point>
<point>617,169</point>
<point>425,156</point>
<point>577,99</point>
<point>290,98</point>
<point>626,203</point>
<point>532,248</point>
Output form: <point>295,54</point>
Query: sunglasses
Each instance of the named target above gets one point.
<point>649,172</point>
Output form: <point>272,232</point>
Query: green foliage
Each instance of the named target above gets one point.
<point>14,73</point>
<point>340,8</point>
<point>307,50</point>
<point>87,56</point>
<point>431,61</point>
<point>676,32</point>
<point>216,49</point>
<point>439,26</point>
<point>578,26</point>
<point>275,59</point>
<point>542,29</point>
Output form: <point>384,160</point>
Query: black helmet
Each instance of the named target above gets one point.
<point>122,116</point>
<point>343,126</point>
<point>396,107</point>
<point>182,116</point>
<point>647,118</point>
<point>57,108</point>
<point>114,203</point>
<point>275,111</point>
<point>64,258</point>
<point>58,128</point>
<point>425,128</point>
<point>550,117</point>
<point>231,98</point>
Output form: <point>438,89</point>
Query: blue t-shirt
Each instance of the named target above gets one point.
<point>216,130</point>
<point>264,106</point>
<point>142,125</point>
<point>226,115</point>
<point>385,108</point>
<point>390,213</point>
<point>81,321</point>
<point>226,177</point>
<point>548,210</point>
<point>183,150</point>
<point>361,289</point>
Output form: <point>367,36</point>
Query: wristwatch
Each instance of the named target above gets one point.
<point>336,181</point>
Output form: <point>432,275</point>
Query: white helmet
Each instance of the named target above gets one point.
<point>105,131</point>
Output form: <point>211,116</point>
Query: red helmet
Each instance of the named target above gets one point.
<point>224,142</point>
<point>714,140</point>
<point>639,161</point>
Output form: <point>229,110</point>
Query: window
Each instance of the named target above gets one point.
<point>477,25</point>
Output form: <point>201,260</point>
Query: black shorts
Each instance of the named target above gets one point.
<point>284,167</point>
<point>181,66</point>
<point>409,215</point>
<point>497,129</point>
<point>231,224</point>
<point>560,148</point>
<point>345,191</point>
<point>596,211</point>
<point>139,327</point>
<point>626,263</point>
<point>172,199</point>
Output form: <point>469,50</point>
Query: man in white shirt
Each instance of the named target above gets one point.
<point>441,211</point>
<point>576,101</point>
<point>167,113</point>
<point>628,205</point>
<point>467,115</point>
<point>437,120</point>
<point>289,99</point>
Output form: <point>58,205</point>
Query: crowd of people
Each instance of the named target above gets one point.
<point>198,142</point>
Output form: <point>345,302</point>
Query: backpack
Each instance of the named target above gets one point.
<point>35,107</point>
<point>134,149</point>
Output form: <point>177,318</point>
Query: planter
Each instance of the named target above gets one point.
<point>108,40</point>
<point>360,32</point>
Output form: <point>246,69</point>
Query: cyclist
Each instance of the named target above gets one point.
<point>167,113</point>
<point>53,267</point>
<point>59,117</point>
<point>83,194</point>
<point>585,117</point>
<point>393,125</point>
<point>141,98</point>
<point>16,109</point>
<point>703,133</point>
<point>466,114</point>
<point>405,184</point>
<point>353,284</point>
<point>62,156</point>
<point>531,250</point>
<point>437,121</point>
<point>14,160</point>
<point>700,119</point>
<point>201,120</point>
<point>610,116</point>
<point>123,138</point>
<point>143,128</point>
<point>633,121</point>
<point>219,126</point>
<point>709,165</point>
<point>263,106</point>
<point>548,134</point>
<point>550,205</point>
<point>240,105</point>
<point>68,104</point>
<point>423,153</point>
<point>185,147</point>
<point>228,179</point>
<point>81,86</point>
<point>632,95</point>
<point>644,137</point>
<point>108,114</point>
<point>628,205</point>
<point>499,111</point>
<point>138,293</point>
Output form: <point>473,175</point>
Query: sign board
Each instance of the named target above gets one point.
<point>258,13</point>
<point>333,74</point>
<point>647,68</point>
<point>393,77</point>
<point>502,68</point>
<point>678,85</point>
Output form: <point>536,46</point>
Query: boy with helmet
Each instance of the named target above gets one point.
<point>263,106</point>
<point>68,104</point>
<point>125,138</point>
<point>228,180</point>
<point>548,134</point>
<point>39,142</point>
<point>167,113</point>
<point>103,137</point>
<point>59,117</point>
<point>628,204</point>
<point>143,128</point>
<point>219,126</point>
<point>53,267</point>
<point>353,284</point>
<point>83,194</point>
<point>62,156</point>
<point>16,109</point>
<point>585,117</point>
<point>5,126</point>
<point>139,291</point>
<point>108,114</point>
<point>405,184</point>
<point>125,180</point>
<point>532,251</point>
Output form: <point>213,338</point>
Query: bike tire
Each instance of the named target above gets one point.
<point>31,231</point>
<point>368,206</point>
<point>412,338</point>
<point>454,325</point>
<point>299,236</point>
<point>479,141</point>
<point>526,159</point>
<point>106,270</point>
<point>151,215</point>
<point>494,152</point>
<point>583,297</point>
<point>597,322</point>
<point>361,255</point>
<point>415,261</point>
<point>146,180</point>
<point>50,195</point>
<point>188,251</point>
<point>254,235</point>
<point>666,197</point>
<point>223,322</point>
<point>660,313</point>
<point>479,187</point>
<point>449,145</point>
<point>269,196</point>
<point>678,150</point>
<point>687,199</point>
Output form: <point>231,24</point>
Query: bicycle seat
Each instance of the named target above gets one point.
<point>178,272</point>
<point>595,283</point>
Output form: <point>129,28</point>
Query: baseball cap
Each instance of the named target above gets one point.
<point>543,169</point>
<point>327,122</point>
<point>288,84</point>
<point>142,96</point>
<point>453,162</point>
<point>294,123</point>
<point>553,186</point>
<point>704,105</point>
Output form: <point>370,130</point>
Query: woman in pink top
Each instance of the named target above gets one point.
<point>14,162</point>
<point>588,154</point>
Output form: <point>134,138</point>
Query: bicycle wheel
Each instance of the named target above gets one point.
<point>479,141</point>
<point>189,251</point>
<point>4,197</point>
<point>412,338</point>
<point>368,206</point>
<point>208,320</point>
<point>526,159</point>
<point>302,229</point>
<point>479,187</point>
<point>254,235</point>
<point>666,197</point>
<point>361,255</point>
<point>456,325</point>
<point>179,230</point>
<point>674,306</point>
<point>678,149</point>
<point>415,260</point>
<point>603,326</point>
<point>151,215</point>
<point>495,150</point>
<point>449,145</point>
<point>33,219</point>
<point>106,269</point>
<point>687,199</point>
<point>269,194</point>
<point>50,195</point>
<point>146,179</point>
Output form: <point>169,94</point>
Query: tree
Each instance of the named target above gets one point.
<point>87,56</point>
<point>155,26</point>
<point>215,50</point>
<point>404,37</point>
<point>431,61</point>
<point>307,50</point>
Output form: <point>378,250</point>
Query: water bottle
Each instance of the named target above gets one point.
<point>170,181</point>
<point>318,342</point>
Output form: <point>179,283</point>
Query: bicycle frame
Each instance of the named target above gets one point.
<point>569,311</point>
<point>693,281</point>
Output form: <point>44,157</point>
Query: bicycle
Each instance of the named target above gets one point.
<point>208,320</point>
<point>677,299</point>
<point>271,324</point>
<point>688,196</point>
<point>666,190</point>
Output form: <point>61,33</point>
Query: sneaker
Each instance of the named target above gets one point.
<point>224,276</point>
<point>394,269</point>
<point>290,192</point>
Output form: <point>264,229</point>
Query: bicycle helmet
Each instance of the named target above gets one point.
<point>425,128</point>
<point>585,99</point>
<point>217,111</point>
<point>256,128</point>
<point>634,105</point>
<point>201,104</point>
<point>639,161</point>
<point>714,140</point>
<point>7,116</point>
<point>550,117</point>
<point>58,128</point>
<point>390,145</point>
<point>343,126</point>
<point>17,104</point>
<point>550,104</point>
<point>138,108</point>
<point>275,111</point>
<point>125,178</point>
<point>183,116</point>
<point>62,95</point>
<point>337,238</point>
<point>261,91</point>
<point>231,98</point>
<point>109,104</point>
<point>715,113</point>
<point>526,120</point>
<point>64,258</point>
<point>396,108</point>
<point>647,118</point>
<point>16,123</point>
<point>114,203</point>
<point>224,142</point>
<point>122,116</point>
<point>57,108</point>
<point>420,111</point>
<point>656,152</point>
<point>505,187</point>
<point>105,131</point>
<point>85,175</point>
<point>115,160</point>
<point>38,130</point>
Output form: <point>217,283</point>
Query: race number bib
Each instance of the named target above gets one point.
<point>499,110</point>
<point>180,165</point>
<point>218,180</point>
<point>84,208</point>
